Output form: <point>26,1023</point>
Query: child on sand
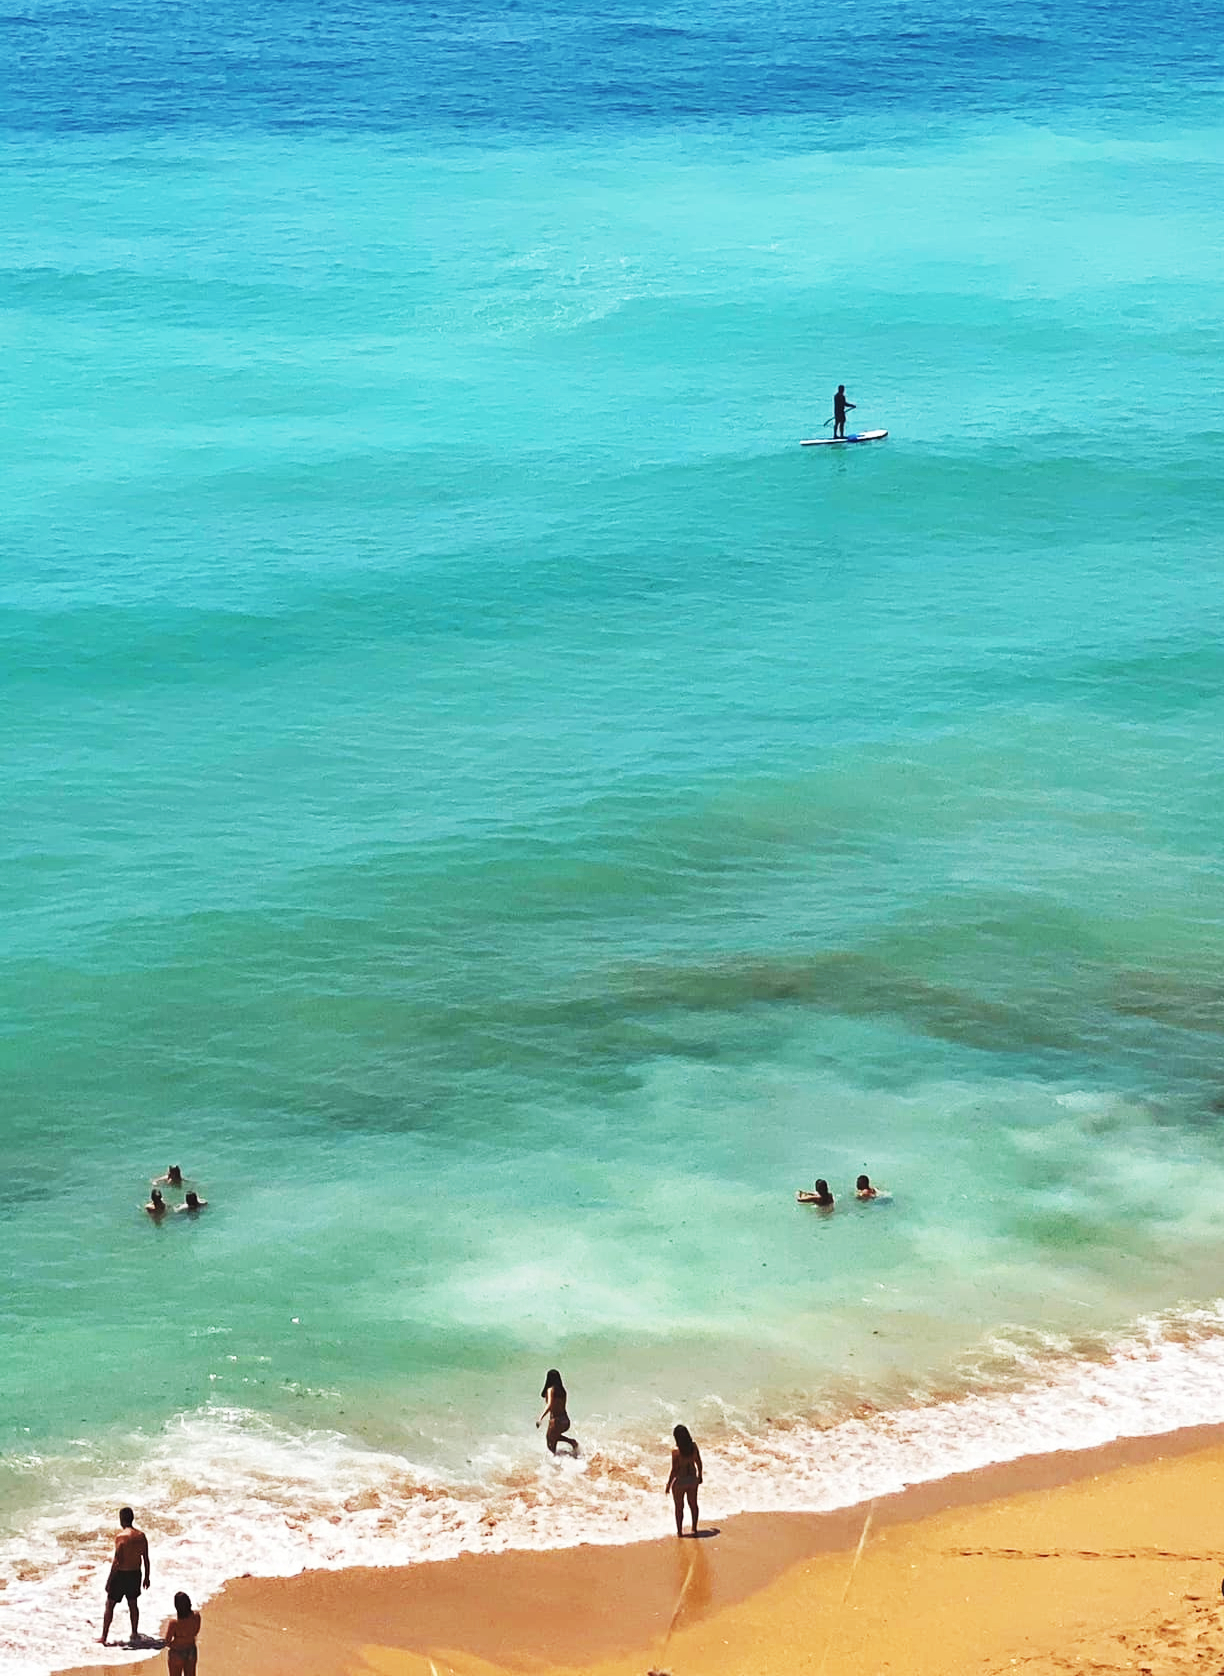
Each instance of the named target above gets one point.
<point>180,1637</point>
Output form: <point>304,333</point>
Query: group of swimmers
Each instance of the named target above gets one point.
<point>686,1469</point>
<point>822,1195</point>
<point>173,1179</point>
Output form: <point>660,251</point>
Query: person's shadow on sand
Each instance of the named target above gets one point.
<point>712,1531</point>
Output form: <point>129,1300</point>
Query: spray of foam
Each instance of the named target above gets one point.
<point>223,1493</point>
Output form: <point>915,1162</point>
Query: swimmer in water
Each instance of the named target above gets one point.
<point>192,1203</point>
<point>819,1196</point>
<point>863,1188</point>
<point>172,1178</point>
<point>157,1206</point>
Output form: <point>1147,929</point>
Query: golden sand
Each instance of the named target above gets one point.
<point>1103,1562</point>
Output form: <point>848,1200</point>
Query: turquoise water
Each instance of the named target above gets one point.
<point>503,816</point>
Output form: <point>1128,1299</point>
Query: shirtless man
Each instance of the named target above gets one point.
<point>131,1553</point>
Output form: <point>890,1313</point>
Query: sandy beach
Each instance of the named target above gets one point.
<point>1106,1560</point>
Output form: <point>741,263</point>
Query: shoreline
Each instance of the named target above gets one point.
<point>761,1583</point>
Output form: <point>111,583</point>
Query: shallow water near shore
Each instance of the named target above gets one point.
<point>504,817</point>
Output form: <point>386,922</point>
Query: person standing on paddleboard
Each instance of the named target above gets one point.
<point>840,408</point>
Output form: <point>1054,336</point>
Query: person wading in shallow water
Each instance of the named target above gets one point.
<point>685,1476</point>
<point>123,1583</point>
<point>555,1413</point>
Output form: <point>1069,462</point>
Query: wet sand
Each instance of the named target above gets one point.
<point>1104,1560</point>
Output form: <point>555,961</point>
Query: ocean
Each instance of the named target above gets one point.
<point>503,817</point>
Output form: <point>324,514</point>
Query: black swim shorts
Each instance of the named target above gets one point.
<point>123,1585</point>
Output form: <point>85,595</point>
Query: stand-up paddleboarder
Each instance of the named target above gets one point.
<point>840,408</point>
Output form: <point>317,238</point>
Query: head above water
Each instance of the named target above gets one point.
<point>182,1604</point>
<point>822,1185</point>
<point>193,1200</point>
<point>863,1181</point>
<point>684,1439</point>
<point>174,1175</point>
<point>126,1517</point>
<point>553,1382</point>
<point>156,1196</point>
<point>841,389</point>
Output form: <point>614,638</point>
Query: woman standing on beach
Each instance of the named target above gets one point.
<point>685,1476</point>
<point>180,1637</point>
<point>555,1413</point>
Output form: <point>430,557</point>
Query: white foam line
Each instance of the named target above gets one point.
<point>224,1492</point>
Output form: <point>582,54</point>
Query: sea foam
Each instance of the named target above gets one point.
<point>222,1492</point>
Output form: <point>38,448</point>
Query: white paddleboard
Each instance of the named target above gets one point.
<point>836,441</point>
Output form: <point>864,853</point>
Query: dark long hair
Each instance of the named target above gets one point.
<point>684,1441</point>
<point>182,1604</point>
<point>553,1381</point>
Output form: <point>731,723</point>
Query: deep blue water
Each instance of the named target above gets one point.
<point>538,72</point>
